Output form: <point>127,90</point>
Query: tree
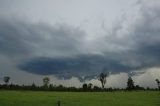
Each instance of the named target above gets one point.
<point>6,79</point>
<point>96,88</point>
<point>90,86</point>
<point>158,83</point>
<point>130,84</point>
<point>33,86</point>
<point>102,79</point>
<point>85,86</point>
<point>46,81</point>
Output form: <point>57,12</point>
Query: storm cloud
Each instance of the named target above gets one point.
<point>21,37</point>
<point>68,51</point>
<point>83,66</point>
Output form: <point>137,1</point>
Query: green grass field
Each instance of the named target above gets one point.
<point>31,98</point>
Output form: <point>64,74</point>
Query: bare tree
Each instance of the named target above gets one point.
<point>6,79</point>
<point>102,79</point>
<point>46,81</point>
<point>158,83</point>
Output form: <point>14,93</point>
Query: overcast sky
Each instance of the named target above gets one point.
<point>73,41</point>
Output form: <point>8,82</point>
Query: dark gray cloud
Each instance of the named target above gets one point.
<point>12,38</point>
<point>145,34</point>
<point>19,37</point>
<point>62,50</point>
<point>82,66</point>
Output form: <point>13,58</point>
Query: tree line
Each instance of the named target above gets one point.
<point>85,87</point>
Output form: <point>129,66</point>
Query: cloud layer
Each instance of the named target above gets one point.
<point>68,51</point>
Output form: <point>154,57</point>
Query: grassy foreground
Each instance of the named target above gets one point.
<point>31,98</point>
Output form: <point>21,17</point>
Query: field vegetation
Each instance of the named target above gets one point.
<point>47,98</point>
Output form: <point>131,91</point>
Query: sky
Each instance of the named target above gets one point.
<point>73,41</point>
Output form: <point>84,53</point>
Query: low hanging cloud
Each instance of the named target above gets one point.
<point>64,51</point>
<point>83,66</point>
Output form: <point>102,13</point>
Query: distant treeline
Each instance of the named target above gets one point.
<point>85,87</point>
<point>51,87</point>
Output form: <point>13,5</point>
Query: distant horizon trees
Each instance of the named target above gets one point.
<point>85,87</point>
